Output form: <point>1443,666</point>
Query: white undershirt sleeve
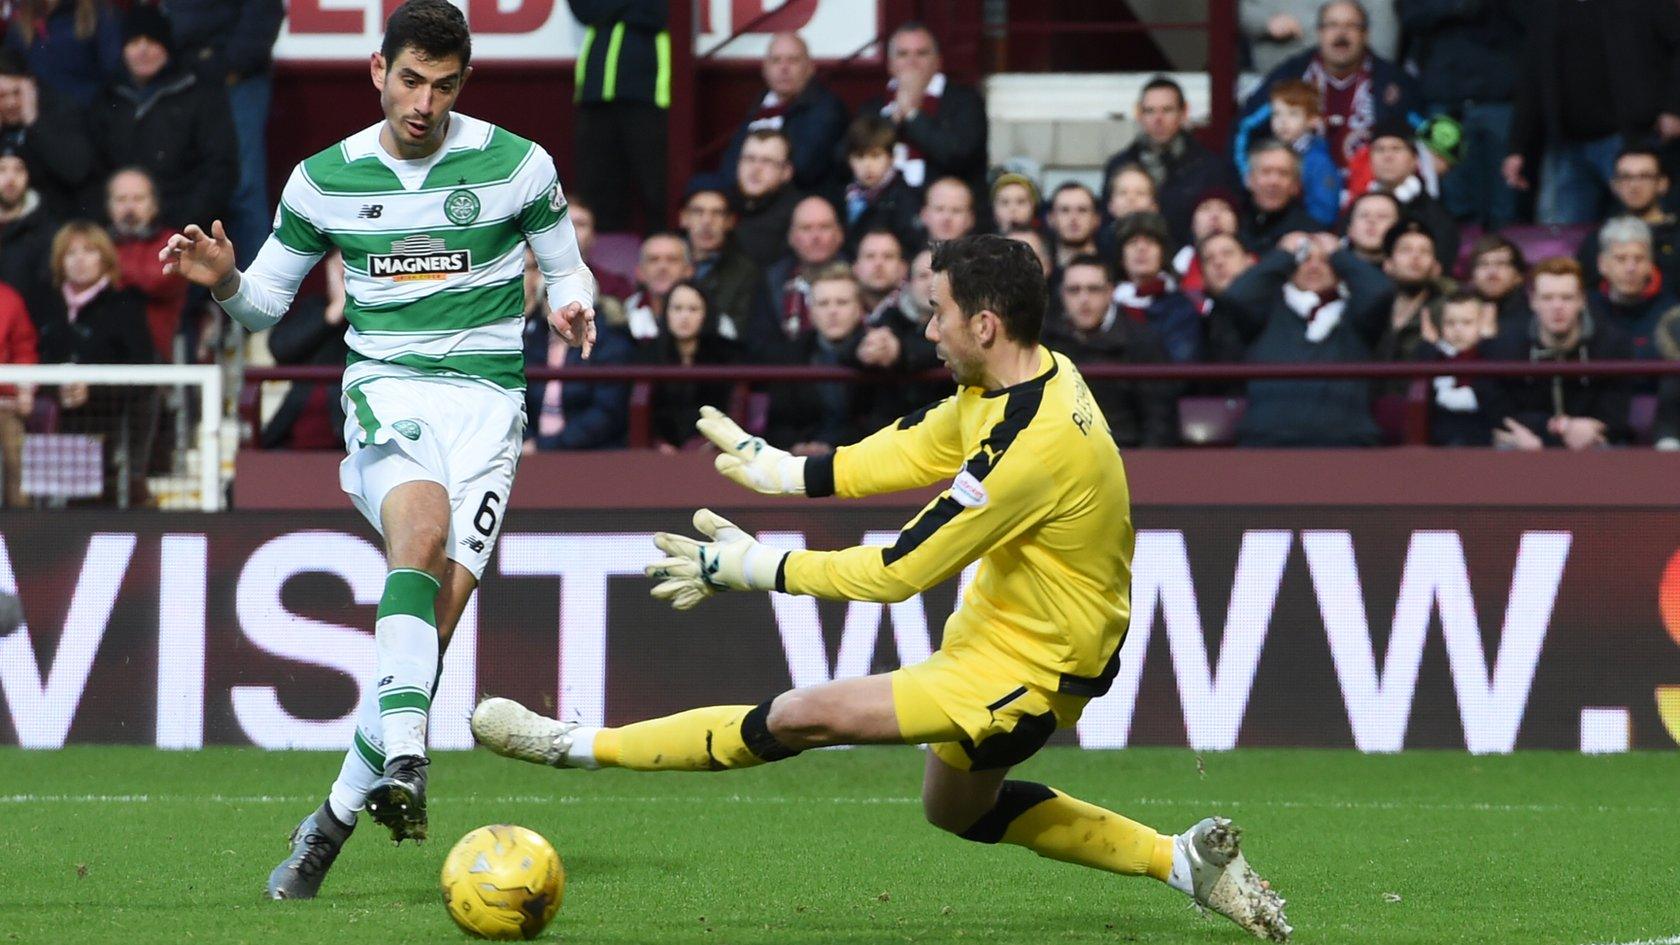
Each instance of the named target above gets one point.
<point>564,273</point>
<point>266,289</point>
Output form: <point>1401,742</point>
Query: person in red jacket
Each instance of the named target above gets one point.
<point>131,204</point>
<point>17,346</point>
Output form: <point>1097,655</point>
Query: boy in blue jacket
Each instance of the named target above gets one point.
<point>1295,115</point>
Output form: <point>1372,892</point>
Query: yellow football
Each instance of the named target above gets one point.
<point>503,882</point>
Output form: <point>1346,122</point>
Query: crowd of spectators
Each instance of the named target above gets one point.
<point>1378,199</point>
<point>120,122</point>
<point>1358,213</point>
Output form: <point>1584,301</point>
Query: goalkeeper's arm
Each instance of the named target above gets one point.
<point>920,449</point>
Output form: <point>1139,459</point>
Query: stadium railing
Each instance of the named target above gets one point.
<point>1206,420</point>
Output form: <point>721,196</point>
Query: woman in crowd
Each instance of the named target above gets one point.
<point>690,339</point>
<point>90,318</point>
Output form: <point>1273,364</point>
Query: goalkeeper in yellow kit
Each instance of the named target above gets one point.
<point>1037,492</point>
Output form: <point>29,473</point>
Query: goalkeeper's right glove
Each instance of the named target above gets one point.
<point>750,461</point>
<point>731,560</point>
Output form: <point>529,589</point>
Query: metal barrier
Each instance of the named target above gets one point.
<point>1411,408</point>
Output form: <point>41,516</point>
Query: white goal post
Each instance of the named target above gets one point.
<point>201,451</point>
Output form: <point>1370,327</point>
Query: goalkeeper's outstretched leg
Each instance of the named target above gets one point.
<point>715,738</point>
<point>964,790</point>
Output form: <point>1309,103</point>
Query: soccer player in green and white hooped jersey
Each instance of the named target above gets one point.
<point>432,212</point>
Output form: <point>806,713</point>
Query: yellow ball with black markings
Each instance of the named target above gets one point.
<point>503,882</point>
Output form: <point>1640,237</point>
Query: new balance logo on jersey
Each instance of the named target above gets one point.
<point>371,211</point>
<point>419,258</point>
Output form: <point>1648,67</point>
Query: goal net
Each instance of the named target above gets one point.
<point>122,436</point>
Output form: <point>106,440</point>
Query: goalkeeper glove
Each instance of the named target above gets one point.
<point>731,561</point>
<point>749,460</point>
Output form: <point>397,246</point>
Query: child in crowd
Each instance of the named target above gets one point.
<point>1456,417</point>
<point>1295,115</point>
<point>1014,202</point>
<point>877,196</point>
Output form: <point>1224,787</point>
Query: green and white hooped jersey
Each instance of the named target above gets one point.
<point>433,251</point>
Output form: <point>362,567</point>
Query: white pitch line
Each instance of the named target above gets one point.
<point>1671,940</point>
<point>1477,808</point>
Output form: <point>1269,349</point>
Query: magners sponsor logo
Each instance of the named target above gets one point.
<point>419,258</point>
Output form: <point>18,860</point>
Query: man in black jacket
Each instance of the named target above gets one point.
<point>1592,74</point>
<point>620,126</point>
<point>1309,301</point>
<point>782,310</point>
<point>230,43</point>
<point>1092,330</point>
<point>1466,55</point>
<point>1182,168</point>
<point>27,226</point>
<point>1531,413</point>
<point>764,180</point>
<point>721,270</point>
<point>941,124</point>
<point>1274,197</point>
<point>50,133</point>
<point>798,106</point>
<point>165,119</point>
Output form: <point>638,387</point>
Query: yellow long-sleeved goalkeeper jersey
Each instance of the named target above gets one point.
<point>1037,493</point>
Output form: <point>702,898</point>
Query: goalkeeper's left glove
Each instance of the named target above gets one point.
<point>731,561</point>
<point>748,460</point>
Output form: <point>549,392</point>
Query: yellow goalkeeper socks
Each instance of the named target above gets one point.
<point>716,738</point>
<point>1060,827</point>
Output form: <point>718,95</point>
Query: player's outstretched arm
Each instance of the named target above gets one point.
<point>202,258</point>
<point>730,560</point>
<point>748,460</point>
<point>919,449</point>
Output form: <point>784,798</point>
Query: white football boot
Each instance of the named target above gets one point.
<point>1208,862</point>
<point>508,728</point>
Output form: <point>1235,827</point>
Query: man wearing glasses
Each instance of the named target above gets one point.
<point>1640,186</point>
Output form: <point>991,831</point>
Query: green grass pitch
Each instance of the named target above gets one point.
<point>136,846</point>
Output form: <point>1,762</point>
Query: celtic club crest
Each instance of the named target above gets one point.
<point>461,207</point>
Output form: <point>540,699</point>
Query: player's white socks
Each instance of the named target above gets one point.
<point>363,764</point>
<point>406,640</point>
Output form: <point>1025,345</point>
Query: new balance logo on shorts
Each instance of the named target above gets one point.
<point>371,211</point>
<point>419,258</point>
<point>475,544</point>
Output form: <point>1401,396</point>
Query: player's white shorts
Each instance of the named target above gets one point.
<point>462,434</point>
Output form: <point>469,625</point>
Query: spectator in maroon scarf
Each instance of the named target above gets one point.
<point>1360,89</point>
<point>783,310</point>
<point>1146,292</point>
<point>794,103</point>
<point>941,124</point>
<point>1215,212</point>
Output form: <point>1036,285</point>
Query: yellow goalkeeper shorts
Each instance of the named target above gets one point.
<point>977,712</point>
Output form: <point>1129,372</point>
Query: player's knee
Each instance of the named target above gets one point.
<point>419,543</point>
<point>946,816</point>
<point>801,720</point>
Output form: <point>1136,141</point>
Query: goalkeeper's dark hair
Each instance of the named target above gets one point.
<point>996,273</point>
<point>435,29</point>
